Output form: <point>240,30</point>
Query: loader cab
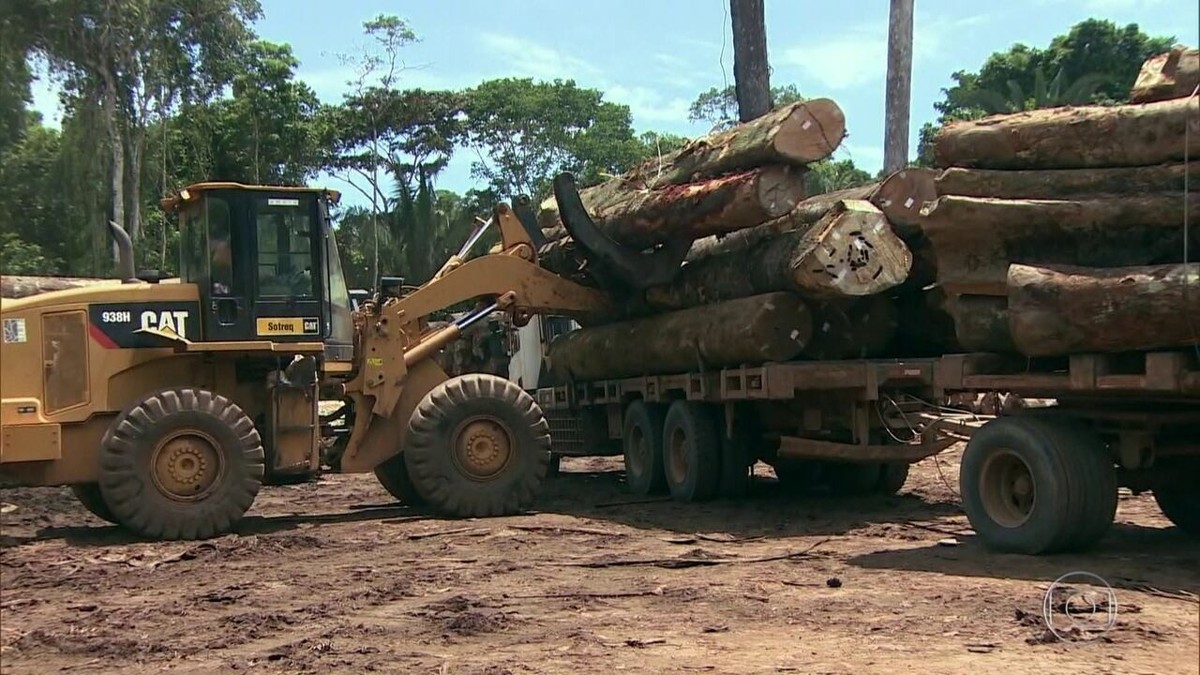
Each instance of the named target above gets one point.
<point>267,265</point>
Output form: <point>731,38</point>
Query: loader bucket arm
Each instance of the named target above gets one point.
<point>632,269</point>
<point>524,212</point>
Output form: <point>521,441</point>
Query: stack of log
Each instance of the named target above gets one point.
<point>16,286</point>
<point>1071,230</point>
<point>770,275</point>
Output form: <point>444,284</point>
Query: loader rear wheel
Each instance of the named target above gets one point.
<point>181,464</point>
<point>393,476</point>
<point>477,445</point>
<point>88,494</point>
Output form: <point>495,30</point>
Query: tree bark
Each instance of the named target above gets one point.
<point>25,286</point>
<point>1173,74</point>
<point>644,218</point>
<point>1063,310</point>
<point>975,239</point>
<point>751,76</point>
<point>850,252</point>
<point>1064,183</point>
<point>860,328</point>
<point>899,197</point>
<point>797,134</point>
<point>769,327</point>
<point>899,85</point>
<point>981,323</point>
<point>1074,137</point>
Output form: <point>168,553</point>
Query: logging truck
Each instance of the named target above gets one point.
<point>1037,481</point>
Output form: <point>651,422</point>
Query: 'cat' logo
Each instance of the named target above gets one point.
<point>175,321</point>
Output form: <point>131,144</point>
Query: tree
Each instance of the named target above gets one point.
<point>898,99</point>
<point>719,107</point>
<point>1094,62</point>
<point>524,132</point>
<point>751,74</point>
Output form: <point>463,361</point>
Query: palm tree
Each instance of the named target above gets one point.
<point>1053,94</point>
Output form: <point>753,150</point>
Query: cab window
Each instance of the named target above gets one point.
<point>220,246</point>
<point>191,246</point>
<point>285,250</point>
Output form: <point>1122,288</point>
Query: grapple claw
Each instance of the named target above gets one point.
<point>632,268</point>
<point>523,209</point>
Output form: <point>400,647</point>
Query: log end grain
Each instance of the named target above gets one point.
<point>854,253</point>
<point>813,131</point>
<point>1172,74</point>
<point>903,194</point>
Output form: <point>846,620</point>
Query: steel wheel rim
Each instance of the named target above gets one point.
<point>1007,489</point>
<point>187,465</point>
<point>482,447</point>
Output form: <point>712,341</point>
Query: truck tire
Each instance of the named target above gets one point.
<point>183,463</point>
<point>88,494</point>
<point>892,477</point>
<point>1037,485</point>
<point>1177,493</point>
<point>393,476</point>
<point>852,479</point>
<point>641,440</point>
<point>477,445</point>
<point>691,451</point>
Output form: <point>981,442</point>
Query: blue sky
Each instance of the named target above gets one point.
<point>657,55</point>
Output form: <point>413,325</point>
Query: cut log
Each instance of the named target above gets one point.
<point>1074,137</point>
<point>860,328</point>
<point>850,252</point>
<point>975,239</point>
<point>899,197</point>
<point>24,286</point>
<point>644,218</point>
<point>1060,310</point>
<point>797,134</point>
<point>1172,74</point>
<point>1066,183</point>
<point>981,323</point>
<point>769,327</point>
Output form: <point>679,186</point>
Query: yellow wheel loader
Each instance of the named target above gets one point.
<point>166,403</point>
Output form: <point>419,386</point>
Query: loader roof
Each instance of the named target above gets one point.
<point>171,202</point>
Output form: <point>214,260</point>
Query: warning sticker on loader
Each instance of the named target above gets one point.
<point>289,325</point>
<point>14,331</point>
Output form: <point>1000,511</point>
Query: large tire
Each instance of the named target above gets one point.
<point>852,479</point>
<point>393,476</point>
<point>1037,485</point>
<point>641,440</point>
<point>477,445</point>
<point>892,477</point>
<point>691,450</point>
<point>1177,492</point>
<point>182,463</point>
<point>88,494</point>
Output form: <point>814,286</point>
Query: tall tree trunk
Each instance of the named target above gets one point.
<point>117,148</point>
<point>751,74</point>
<point>899,85</point>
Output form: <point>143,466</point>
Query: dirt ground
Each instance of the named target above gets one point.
<point>333,577</point>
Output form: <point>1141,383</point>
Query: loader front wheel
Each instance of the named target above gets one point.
<point>88,495</point>
<point>393,476</point>
<point>181,464</point>
<point>477,445</point>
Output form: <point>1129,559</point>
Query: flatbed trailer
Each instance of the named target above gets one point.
<point>1039,480</point>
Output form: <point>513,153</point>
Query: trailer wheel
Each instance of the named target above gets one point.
<point>691,450</point>
<point>477,445</point>
<point>181,464</point>
<point>1177,493</point>
<point>394,477</point>
<point>852,478</point>
<point>641,440</point>
<point>892,477</point>
<point>88,494</point>
<point>1037,485</point>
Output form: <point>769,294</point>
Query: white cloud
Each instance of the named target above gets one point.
<point>648,105</point>
<point>530,59</point>
<point>858,55</point>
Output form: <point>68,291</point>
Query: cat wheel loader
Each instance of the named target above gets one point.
<point>165,403</point>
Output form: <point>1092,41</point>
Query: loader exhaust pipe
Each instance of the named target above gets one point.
<point>125,266</point>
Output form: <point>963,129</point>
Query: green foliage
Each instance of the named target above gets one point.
<point>1095,62</point>
<point>526,132</point>
<point>719,107</point>
<point>21,258</point>
<point>830,175</point>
